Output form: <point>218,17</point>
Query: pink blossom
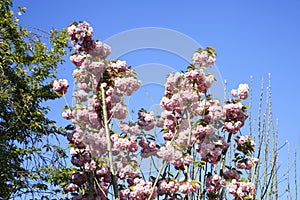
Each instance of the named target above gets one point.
<point>96,67</point>
<point>189,186</point>
<point>168,136</point>
<point>173,156</point>
<point>209,80</point>
<point>81,37</point>
<point>101,50</point>
<point>102,171</point>
<point>246,163</point>
<point>119,111</point>
<point>60,86</point>
<point>146,119</point>
<point>159,122</point>
<point>91,166</point>
<point>204,57</point>
<point>235,116</point>
<point>169,153</point>
<point>85,64</point>
<point>127,85</point>
<point>242,140</point>
<point>75,138</point>
<point>77,59</point>
<point>84,86</point>
<point>173,81</point>
<point>119,142</point>
<point>167,187</point>
<point>166,103</point>
<point>94,118</point>
<point>81,114</point>
<point>124,194</point>
<point>198,57</point>
<point>142,190</point>
<point>121,66</point>
<point>67,114</point>
<point>191,118</point>
<point>196,74</point>
<point>129,128</point>
<point>243,91</point>
<point>242,189</point>
<point>96,141</point>
<point>93,102</point>
<point>80,95</point>
<point>211,149</point>
<point>214,183</point>
<point>185,139</point>
<point>127,167</point>
<point>234,93</point>
<point>148,148</point>
<point>201,131</point>
<point>71,30</point>
<point>76,73</point>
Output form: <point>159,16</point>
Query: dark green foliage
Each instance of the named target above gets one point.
<point>27,64</point>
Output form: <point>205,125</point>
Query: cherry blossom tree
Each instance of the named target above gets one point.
<point>197,131</point>
<point>203,153</point>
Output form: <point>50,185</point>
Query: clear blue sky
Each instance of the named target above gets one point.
<point>251,38</point>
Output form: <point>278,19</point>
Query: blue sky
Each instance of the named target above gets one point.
<point>252,38</point>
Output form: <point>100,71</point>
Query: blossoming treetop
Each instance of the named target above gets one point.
<point>198,131</point>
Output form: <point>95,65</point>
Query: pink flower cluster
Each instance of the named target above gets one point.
<point>129,128</point>
<point>88,137</point>
<point>168,187</point>
<point>81,36</point>
<point>202,131</point>
<point>185,140</point>
<point>60,86</point>
<point>205,57</point>
<point>126,85</point>
<point>77,59</point>
<point>245,144</point>
<point>121,143</point>
<point>71,187</point>
<point>139,189</point>
<point>184,90</point>
<point>148,148</point>
<point>242,190</point>
<point>241,92</point>
<point>100,50</point>
<point>119,81</point>
<point>171,122</point>
<point>127,167</point>
<point>174,156</point>
<point>211,149</point>
<point>146,119</point>
<point>211,110</point>
<point>246,163</point>
<point>235,116</point>
<point>67,114</point>
<point>214,183</point>
<point>189,186</point>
